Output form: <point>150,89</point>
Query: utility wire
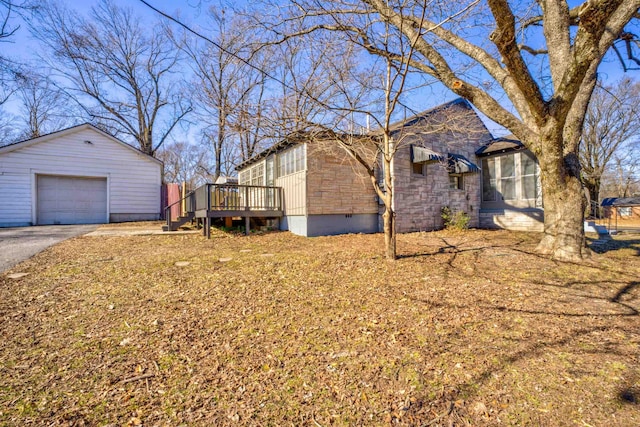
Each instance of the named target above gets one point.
<point>244,61</point>
<point>223,49</point>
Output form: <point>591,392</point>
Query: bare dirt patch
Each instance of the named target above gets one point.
<point>464,329</point>
<point>137,225</point>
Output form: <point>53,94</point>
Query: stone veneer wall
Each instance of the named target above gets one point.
<point>419,199</point>
<point>337,186</point>
<point>513,219</point>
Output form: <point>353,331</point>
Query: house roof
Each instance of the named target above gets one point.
<point>294,139</point>
<point>500,145</point>
<point>424,115</point>
<point>302,136</point>
<point>621,201</point>
<point>44,138</point>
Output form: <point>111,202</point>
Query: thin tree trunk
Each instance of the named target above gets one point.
<point>389,233</point>
<point>593,187</point>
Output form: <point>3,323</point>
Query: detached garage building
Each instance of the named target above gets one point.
<point>79,175</point>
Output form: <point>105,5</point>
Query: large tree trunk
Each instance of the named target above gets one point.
<point>564,205</point>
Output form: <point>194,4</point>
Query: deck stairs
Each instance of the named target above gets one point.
<point>173,225</point>
<point>185,208</point>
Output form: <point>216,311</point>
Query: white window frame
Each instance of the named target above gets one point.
<point>292,161</point>
<point>253,175</point>
<point>518,179</point>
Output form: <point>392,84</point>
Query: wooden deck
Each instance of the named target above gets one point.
<point>228,201</point>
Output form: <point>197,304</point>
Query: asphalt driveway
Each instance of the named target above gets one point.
<point>21,243</point>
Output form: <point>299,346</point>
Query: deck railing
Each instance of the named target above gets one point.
<point>234,197</point>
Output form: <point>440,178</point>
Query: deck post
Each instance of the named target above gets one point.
<point>247,225</point>
<point>207,227</point>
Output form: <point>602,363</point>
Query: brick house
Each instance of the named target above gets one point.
<point>325,193</point>
<point>622,208</point>
<point>434,166</point>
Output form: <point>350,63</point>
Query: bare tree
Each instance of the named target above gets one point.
<point>375,94</point>
<point>119,70</point>
<point>227,86</point>
<point>9,133</point>
<point>9,9</point>
<point>622,177</point>
<point>184,162</point>
<point>613,118</point>
<point>44,108</point>
<point>301,88</point>
<point>247,122</point>
<point>480,51</point>
<point>6,29</point>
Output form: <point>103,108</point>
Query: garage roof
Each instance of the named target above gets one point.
<point>28,142</point>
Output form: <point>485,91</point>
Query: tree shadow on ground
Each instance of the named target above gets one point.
<point>449,245</point>
<point>601,246</point>
<point>614,297</point>
<point>538,344</point>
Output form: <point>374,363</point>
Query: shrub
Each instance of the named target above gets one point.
<point>454,220</point>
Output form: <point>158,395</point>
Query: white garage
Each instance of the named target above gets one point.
<point>80,175</point>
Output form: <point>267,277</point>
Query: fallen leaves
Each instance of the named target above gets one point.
<point>323,331</point>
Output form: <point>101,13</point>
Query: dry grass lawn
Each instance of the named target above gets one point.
<point>278,330</point>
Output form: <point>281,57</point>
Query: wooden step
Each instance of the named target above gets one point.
<point>173,225</point>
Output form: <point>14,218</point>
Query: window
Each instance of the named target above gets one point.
<point>244,177</point>
<point>489,180</point>
<point>291,161</point>
<point>419,169</point>
<point>252,176</point>
<point>508,177</point>
<point>257,174</point>
<point>456,182</point>
<point>528,174</point>
<point>512,176</point>
<point>624,211</point>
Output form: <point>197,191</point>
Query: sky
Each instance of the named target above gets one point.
<point>192,11</point>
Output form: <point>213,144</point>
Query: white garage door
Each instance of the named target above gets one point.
<point>71,200</point>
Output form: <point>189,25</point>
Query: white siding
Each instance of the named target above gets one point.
<point>295,193</point>
<point>133,179</point>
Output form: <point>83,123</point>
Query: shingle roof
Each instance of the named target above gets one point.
<point>621,201</point>
<point>500,145</point>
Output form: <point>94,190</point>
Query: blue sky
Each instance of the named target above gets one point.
<point>191,11</point>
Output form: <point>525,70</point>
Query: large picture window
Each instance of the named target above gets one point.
<point>509,177</point>
<point>292,160</point>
